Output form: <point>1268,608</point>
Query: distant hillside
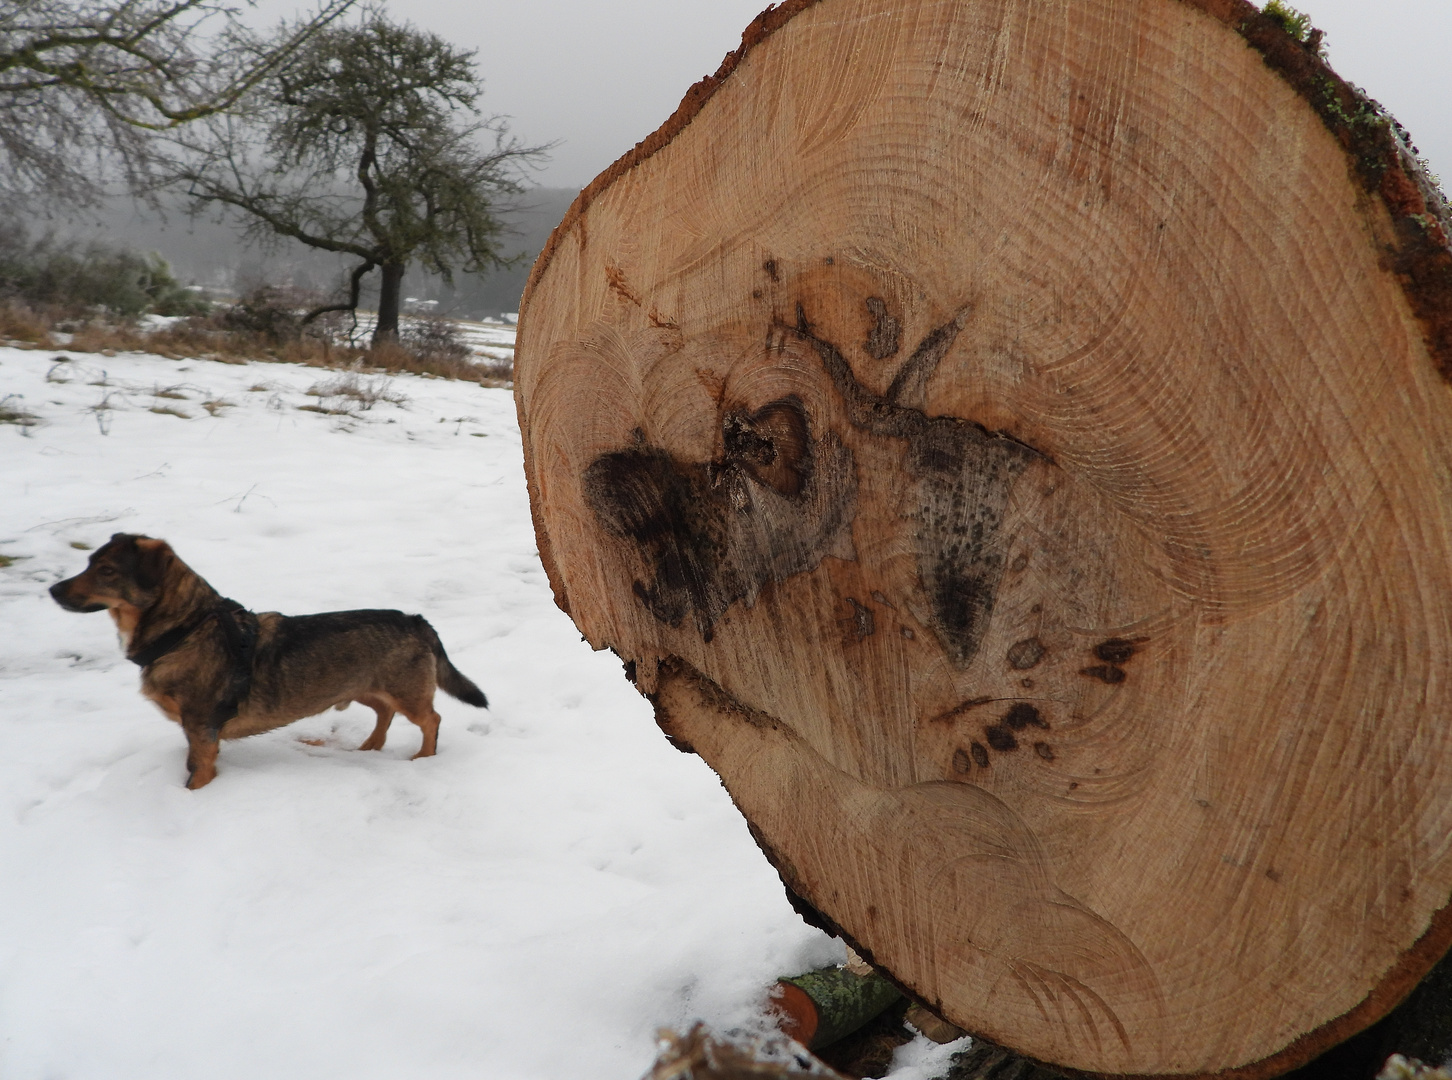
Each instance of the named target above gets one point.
<point>206,252</point>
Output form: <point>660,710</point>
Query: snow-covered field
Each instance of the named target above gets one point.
<point>487,340</point>
<point>531,903</point>
<point>492,340</point>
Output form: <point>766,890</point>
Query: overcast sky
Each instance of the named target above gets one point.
<point>599,75</point>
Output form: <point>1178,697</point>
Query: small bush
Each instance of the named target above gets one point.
<point>66,275</point>
<point>394,357</point>
<point>434,338</point>
<point>496,372</point>
<point>271,312</point>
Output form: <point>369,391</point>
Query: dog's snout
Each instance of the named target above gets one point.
<point>61,593</point>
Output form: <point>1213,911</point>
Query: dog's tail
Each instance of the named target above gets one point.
<point>451,680</point>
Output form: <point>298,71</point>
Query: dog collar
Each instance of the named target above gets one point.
<point>173,638</point>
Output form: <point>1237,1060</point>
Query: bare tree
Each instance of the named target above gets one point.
<point>85,83</point>
<point>368,143</point>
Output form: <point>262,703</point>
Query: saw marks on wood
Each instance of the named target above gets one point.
<point>993,435</point>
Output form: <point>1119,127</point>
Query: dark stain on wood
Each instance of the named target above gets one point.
<point>980,754</point>
<point>1000,738</point>
<point>1044,750</point>
<point>1025,654</point>
<point>1106,673</point>
<point>771,271</point>
<point>711,533</point>
<point>960,761</point>
<point>1022,715</point>
<point>961,474</point>
<point>1115,650</point>
<point>882,340</point>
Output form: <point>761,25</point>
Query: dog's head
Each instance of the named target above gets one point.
<point>127,572</point>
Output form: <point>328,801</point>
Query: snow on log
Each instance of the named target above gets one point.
<point>1011,443</point>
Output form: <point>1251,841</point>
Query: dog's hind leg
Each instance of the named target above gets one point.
<point>422,713</point>
<point>385,711</point>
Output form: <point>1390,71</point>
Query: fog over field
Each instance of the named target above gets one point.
<point>206,252</point>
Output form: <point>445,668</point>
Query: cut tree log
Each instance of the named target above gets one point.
<point>1012,444</point>
<point>820,1007</point>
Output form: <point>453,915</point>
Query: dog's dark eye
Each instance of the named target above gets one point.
<point>107,571</point>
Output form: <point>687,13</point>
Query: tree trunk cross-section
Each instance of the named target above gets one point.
<point>1010,443</point>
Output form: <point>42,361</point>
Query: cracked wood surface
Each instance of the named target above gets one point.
<point>1008,442</point>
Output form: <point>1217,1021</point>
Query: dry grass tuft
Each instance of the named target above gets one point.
<point>353,393</point>
<point>13,411</point>
<point>23,324</point>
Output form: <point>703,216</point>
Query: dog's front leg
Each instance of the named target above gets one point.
<point>201,754</point>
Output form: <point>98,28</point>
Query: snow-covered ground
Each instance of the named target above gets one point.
<point>494,340</point>
<point>531,903</point>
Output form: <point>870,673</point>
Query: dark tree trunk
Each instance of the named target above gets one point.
<point>388,293</point>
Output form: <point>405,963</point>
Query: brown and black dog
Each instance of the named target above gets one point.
<point>223,672</point>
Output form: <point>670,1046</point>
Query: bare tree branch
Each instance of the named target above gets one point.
<point>84,82</point>
<point>355,286</point>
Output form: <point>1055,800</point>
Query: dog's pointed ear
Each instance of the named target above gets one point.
<point>153,560</point>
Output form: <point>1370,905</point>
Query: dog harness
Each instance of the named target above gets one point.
<point>239,629</point>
